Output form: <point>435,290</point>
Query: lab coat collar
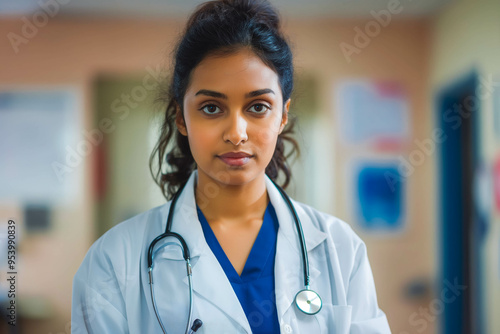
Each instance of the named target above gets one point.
<point>289,278</point>
<point>191,230</point>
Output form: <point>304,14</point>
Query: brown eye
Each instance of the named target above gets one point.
<point>210,109</point>
<point>259,108</point>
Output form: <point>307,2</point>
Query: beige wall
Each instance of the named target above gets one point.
<point>74,52</point>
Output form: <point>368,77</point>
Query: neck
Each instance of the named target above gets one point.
<point>231,203</point>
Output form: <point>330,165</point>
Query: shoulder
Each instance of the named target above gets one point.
<point>337,229</point>
<point>123,243</point>
<point>344,248</point>
<point>130,232</point>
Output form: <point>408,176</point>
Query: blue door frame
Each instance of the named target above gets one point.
<point>459,156</point>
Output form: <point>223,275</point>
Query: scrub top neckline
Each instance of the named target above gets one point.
<point>260,254</point>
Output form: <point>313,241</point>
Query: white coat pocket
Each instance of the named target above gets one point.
<point>335,319</point>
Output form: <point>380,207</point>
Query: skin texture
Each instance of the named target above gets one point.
<point>233,199</point>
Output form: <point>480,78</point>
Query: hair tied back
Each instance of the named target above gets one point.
<point>257,11</point>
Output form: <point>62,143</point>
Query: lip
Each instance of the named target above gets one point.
<point>235,158</point>
<point>235,155</point>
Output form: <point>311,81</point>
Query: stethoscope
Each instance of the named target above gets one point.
<point>308,301</point>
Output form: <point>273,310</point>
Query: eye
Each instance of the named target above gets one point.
<point>260,108</point>
<point>210,109</point>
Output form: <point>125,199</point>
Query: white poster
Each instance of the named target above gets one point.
<point>37,128</point>
<point>372,113</point>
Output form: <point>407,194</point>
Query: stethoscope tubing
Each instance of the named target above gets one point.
<point>186,255</point>
<point>305,257</point>
<point>190,284</point>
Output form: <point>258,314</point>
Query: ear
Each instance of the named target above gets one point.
<point>179,121</point>
<point>284,118</point>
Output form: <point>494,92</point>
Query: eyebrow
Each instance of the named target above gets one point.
<point>224,96</point>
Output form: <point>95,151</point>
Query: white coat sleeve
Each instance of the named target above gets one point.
<point>97,303</point>
<point>367,317</point>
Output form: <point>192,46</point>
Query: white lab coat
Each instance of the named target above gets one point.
<point>111,291</point>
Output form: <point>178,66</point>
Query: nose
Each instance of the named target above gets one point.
<point>236,129</point>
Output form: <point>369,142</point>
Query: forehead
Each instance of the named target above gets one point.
<point>242,71</point>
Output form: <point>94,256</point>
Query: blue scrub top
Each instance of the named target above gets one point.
<point>255,287</point>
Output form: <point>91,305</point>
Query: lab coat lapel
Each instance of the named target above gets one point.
<point>209,279</point>
<point>289,270</point>
<point>211,283</point>
<point>289,277</point>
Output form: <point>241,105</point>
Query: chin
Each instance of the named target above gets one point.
<point>234,177</point>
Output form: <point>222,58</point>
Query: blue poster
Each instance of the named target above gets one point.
<point>380,198</point>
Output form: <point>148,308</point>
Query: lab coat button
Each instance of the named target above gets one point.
<point>288,328</point>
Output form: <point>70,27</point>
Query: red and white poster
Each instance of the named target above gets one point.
<point>496,182</point>
<point>373,112</point>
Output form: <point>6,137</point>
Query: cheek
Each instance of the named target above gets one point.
<point>201,140</point>
<point>266,139</point>
<point>268,135</point>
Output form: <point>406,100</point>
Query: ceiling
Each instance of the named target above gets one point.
<point>180,8</point>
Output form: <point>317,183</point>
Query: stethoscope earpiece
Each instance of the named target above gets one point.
<point>308,301</point>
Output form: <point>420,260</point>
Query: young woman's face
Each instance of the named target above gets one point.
<point>233,104</point>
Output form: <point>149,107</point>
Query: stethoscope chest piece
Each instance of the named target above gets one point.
<point>308,301</point>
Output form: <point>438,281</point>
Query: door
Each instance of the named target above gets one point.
<point>461,232</point>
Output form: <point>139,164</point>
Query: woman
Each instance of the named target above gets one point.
<point>229,99</point>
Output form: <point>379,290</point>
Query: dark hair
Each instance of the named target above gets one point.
<point>221,28</point>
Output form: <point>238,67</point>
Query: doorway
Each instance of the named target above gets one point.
<point>458,110</point>
<point>123,186</point>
